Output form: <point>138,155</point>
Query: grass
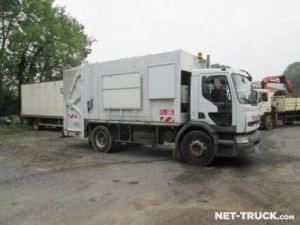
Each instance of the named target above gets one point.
<point>17,126</point>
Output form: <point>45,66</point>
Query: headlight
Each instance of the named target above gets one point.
<point>241,140</point>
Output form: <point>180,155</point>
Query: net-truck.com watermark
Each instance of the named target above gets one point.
<point>252,216</point>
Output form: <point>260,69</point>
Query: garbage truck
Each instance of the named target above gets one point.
<point>170,97</point>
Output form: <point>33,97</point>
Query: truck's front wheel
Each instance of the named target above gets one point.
<point>197,148</point>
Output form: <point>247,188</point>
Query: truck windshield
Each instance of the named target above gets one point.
<point>243,89</point>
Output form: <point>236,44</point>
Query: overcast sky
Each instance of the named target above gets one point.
<point>260,36</point>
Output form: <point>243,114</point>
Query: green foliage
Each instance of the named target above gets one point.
<point>38,42</point>
<point>8,99</point>
<point>292,72</point>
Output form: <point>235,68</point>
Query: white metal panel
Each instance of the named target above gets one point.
<point>122,91</point>
<point>161,81</point>
<point>130,80</point>
<point>42,99</point>
<point>122,98</point>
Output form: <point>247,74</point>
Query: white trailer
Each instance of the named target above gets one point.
<point>42,104</point>
<point>167,97</point>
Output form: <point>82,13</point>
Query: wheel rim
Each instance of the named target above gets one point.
<point>101,140</point>
<point>197,148</point>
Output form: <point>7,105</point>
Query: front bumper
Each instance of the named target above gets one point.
<point>233,149</point>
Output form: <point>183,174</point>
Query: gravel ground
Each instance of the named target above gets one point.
<point>45,179</point>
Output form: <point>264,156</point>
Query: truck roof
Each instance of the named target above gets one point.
<point>177,51</point>
<point>197,72</point>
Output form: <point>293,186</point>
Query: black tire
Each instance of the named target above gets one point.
<point>268,122</point>
<point>197,148</point>
<point>108,145</point>
<point>101,139</point>
<point>90,140</point>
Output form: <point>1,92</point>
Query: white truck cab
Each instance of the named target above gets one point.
<point>224,98</point>
<point>225,101</point>
<point>265,100</point>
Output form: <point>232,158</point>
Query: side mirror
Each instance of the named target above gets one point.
<point>249,76</point>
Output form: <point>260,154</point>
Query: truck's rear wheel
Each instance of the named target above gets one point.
<point>197,148</point>
<point>269,122</point>
<point>101,139</point>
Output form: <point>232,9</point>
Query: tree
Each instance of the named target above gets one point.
<point>292,72</point>
<point>9,16</point>
<point>38,42</point>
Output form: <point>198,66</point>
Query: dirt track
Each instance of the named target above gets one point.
<point>45,179</point>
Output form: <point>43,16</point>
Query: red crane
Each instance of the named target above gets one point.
<point>279,80</point>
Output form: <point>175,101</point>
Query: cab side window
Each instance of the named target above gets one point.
<point>216,89</point>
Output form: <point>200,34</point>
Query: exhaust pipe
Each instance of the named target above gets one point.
<point>208,61</point>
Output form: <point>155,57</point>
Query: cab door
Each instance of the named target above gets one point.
<point>212,95</point>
